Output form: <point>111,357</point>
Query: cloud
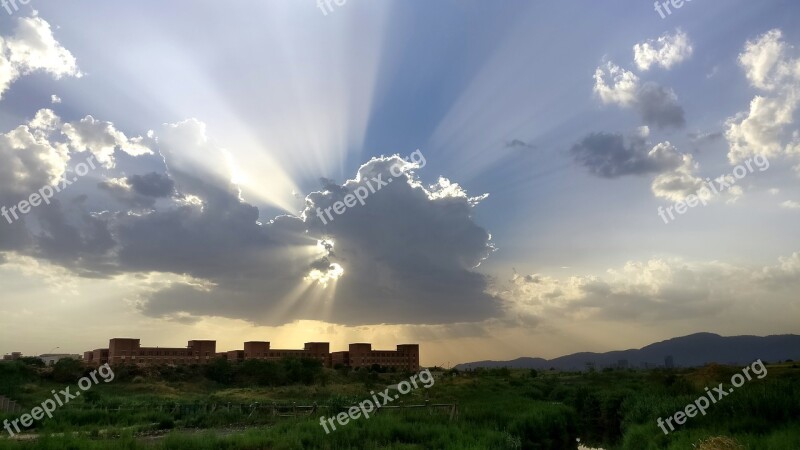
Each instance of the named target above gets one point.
<point>699,138</point>
<point>30,159</point>
<point>516,143</point>
<point>153,184</point>
<point>139,191</point>
<point>766,61</point>
<point>782,277</point>
<point>54,99</point>
<point>655,290</point>
<point>769,128</point>
<point>675,185</point>
<point>612,155</point>
<point>790,204</point>
<point>102,139</point>
<point>63,231</point>
<point>657,105</point>
<point>33,48</point>
<point>407,256</point>
<point>666,51</point>
<point>522,145</point>
<point>615,85</point>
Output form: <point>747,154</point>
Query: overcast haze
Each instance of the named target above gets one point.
<point>537,142</point>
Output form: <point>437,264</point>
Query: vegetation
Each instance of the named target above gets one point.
<point>254,406</point>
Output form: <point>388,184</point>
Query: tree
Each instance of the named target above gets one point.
<point>67,370</point>
<point>32,361</point>
<point>219,370</point>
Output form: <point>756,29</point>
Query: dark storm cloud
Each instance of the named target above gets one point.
<point>407,258</point>
<point>139,191</point>
<point>407,255</point>
<point>153,184</point>
<point>612,155</point>
<point>658,106</point>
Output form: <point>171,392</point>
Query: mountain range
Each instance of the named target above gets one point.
<point>686,351</point>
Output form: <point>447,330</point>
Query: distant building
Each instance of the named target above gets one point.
<point>406,357</point>
<point>622,364</point>
<point>12,357</point>
<point>129,351</point>
<point>233,355</point>
<point>96,357</point>
<point>669,363</point>
<point>312,350</point>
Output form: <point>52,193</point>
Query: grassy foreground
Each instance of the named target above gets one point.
<point>188,408</point>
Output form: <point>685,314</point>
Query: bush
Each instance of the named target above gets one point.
<point>219,370</point>
<point>68,370</point>
<point>32,361</point>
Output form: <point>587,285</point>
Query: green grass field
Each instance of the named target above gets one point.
<point>193,408</point>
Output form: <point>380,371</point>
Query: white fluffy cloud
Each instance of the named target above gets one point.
<point>615,85</point>
<point>29,158</point>
<point>657,289</point>
<point>666,51</point>
<point>767,63</point>
<point>769,128</point>
<point>675,185</point>
<point>102,139</point>
<point>30,48</point>
<point>657,105</point>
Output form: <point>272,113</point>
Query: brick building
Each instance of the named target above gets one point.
<point>96,357</point>
<point>12,357</point>
<point>129,351</point>
<point>406,357</point>
<point>262,350</point>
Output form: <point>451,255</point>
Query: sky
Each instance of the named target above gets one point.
<point>571,176</point>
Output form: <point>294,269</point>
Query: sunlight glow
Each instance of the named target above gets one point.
<point>323,277</point>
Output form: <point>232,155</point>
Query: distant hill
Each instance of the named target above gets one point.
<point>687,351</point>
